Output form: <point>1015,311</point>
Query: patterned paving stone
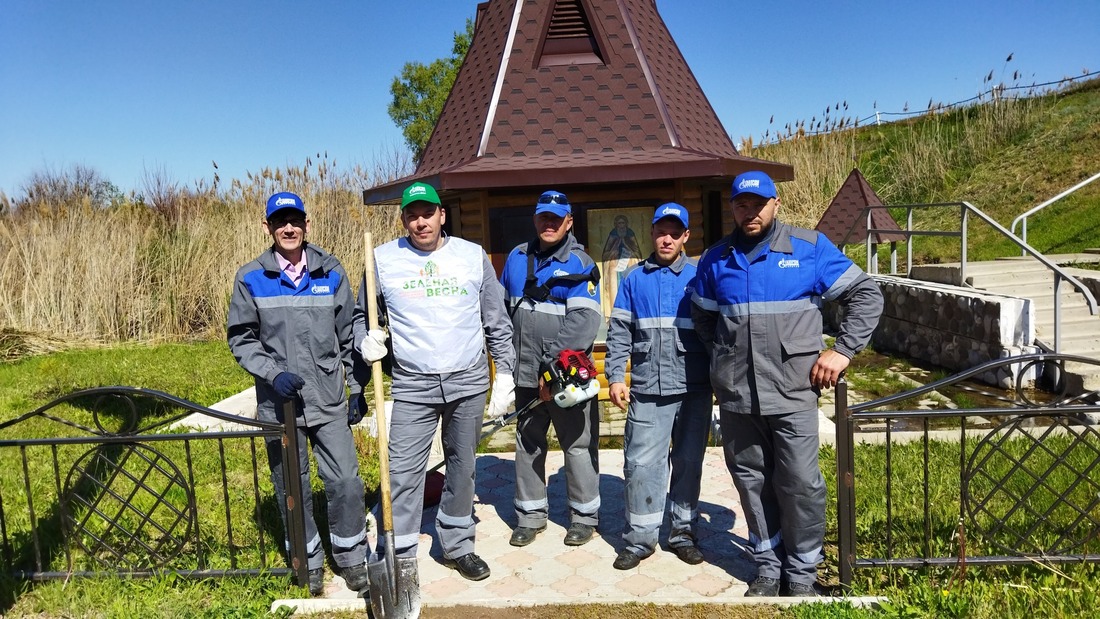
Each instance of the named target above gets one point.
<point>548,572</point>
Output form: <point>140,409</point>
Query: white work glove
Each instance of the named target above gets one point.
<point>503,399</point>
<point>373,347</point>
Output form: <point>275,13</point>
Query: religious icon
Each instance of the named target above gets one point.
<point>614,232</point>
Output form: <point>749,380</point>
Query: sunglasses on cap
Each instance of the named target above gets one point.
<point>555,198</point>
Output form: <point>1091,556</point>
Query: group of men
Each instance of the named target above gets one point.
<point>744,325</point>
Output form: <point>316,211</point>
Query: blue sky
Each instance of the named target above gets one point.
<point>130,87</point>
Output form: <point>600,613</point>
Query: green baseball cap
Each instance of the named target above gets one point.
<point>419,192</point>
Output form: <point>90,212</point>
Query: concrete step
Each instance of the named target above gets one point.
<point>1083,377</point>
<point>1077,315</point>
<point>1059,259</point>
<point>1071,313</point>
<point>1008,267</point>
<point>1084,345</point>
<point>1030,290</point>
<point>950,273</point>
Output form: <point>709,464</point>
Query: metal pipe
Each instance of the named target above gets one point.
<point>845,485</point>
<point>292,482</point>
<point>1037,208</point>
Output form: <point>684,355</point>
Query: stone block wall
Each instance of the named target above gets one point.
<point>949,326</point>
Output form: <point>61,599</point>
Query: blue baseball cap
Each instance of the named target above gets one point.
<point>755,182</point>
<point>553,202</point>
<point>283,200</point>
<point>671,209</point>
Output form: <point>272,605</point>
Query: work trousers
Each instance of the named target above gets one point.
<point>412,427</point>
<point>653,422</point>
<point>774,463</point>
<point>338,467</point>
<point>577,429</point>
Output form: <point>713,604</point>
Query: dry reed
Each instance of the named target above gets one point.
<point>74,268</point>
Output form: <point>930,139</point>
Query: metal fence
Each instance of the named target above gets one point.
<point>108,480</point>
<point>992,479</point>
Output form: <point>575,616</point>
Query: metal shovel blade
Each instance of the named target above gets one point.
<point>382,582</point>
<point>394,585</point>
<point>407,600</point>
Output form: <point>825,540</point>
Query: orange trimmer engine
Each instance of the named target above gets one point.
<point>571,378</point>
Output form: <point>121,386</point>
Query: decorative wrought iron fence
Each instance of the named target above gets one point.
<point>107,480</point>
<point>999,478</point>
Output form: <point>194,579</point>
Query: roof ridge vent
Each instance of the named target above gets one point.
<point>571,37</point>
<point>568,21</point>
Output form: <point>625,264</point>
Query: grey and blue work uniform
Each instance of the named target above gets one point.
<point>442,308</point>
<point>276,326</point>
<point>757,308</point>
<point>565,315</point>
<point>670,400</point>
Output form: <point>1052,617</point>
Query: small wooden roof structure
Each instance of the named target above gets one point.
<point>574,92</point>
<point>844,222</point>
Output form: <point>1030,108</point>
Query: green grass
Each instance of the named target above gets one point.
<point>202,368</point>
<point>201,372</point>
<point>1003,158</point>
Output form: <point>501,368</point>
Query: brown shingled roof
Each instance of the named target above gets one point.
<point>574,91</point>
<point>846,214</point>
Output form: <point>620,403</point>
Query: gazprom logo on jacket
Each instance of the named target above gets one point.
<point>321,289</point>
<point>788,263</point>
<point>560,273</point>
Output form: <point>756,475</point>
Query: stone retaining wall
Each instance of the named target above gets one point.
<point>951,327</point>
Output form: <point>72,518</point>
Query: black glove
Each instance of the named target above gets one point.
<point>356,405</point>
<point>287,384</point>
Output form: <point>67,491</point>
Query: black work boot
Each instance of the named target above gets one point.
<point>627,560</point>
<point>470,566</point>
<point>317,581</point>
<point>355,576</point>
<point>579,534</point>
<point>764,587</point>
<point>525,535</point>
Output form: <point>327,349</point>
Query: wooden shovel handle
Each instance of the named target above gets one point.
<point>379,395</point>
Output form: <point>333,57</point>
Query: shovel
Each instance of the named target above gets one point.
<point>394,583</point>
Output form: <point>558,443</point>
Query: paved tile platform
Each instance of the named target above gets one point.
<point>548,572</point>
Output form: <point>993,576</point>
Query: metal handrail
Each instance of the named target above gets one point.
<point>1036,209</point>
<point>965,210</point>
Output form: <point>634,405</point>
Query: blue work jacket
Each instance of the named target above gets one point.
<point>651,325</point>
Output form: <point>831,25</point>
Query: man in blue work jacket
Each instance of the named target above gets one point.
<point>757,308</point>
<point>290,326</point>
<point>553,295</point>
<point>669,398</point>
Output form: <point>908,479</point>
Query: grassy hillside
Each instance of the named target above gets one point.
<point>1004,157</point>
